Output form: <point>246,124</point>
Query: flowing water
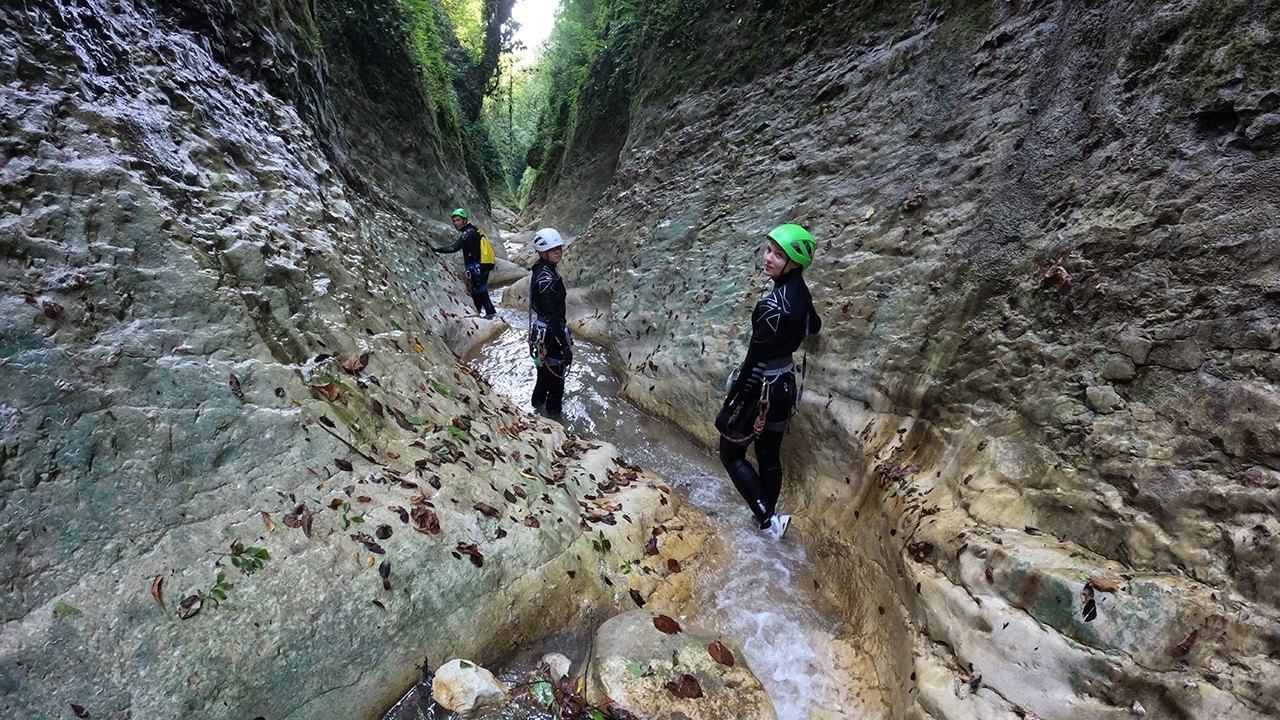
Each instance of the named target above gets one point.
<point>755,590</point>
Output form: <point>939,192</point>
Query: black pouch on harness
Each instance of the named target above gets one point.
<point>741,418</point>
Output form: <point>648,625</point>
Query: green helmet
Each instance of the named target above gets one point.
<point>796,242</point>
<point>459,213</point>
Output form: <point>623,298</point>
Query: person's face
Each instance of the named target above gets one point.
<point>459,222</point>
<point>554,255</point>
<point>775,261</point>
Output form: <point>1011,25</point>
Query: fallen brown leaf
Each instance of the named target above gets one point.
<point>720,653</point>
<point>472,551</point>
<point>355,363</point>
<point>666,624</point>
<point>425,520</point>
<point>267,522</point>
<point>157,584</point>
<point>189,607</point>
<point>1105,583</point>
<point>328,391</point>
<point>686,686</point>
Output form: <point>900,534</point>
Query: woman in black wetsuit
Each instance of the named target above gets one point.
<point>762,391</point>
<point>550,343</point>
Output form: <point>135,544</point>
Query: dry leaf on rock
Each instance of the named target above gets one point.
<point>1105,583</point>
<point>425,520</point>
<point>328,391</point>
<point>472,551</point>
<point>666,624</point>
<point>190,606</point>
<point>342,464</point>
<point>79,711</point>
<point>355,363</point>
<point>720,653</point>
<point>157,584</point>
<point>486,509</point>
<point>267,522</point>
<point>686,686</point>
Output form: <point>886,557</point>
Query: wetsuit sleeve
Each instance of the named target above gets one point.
<point>455,247</point>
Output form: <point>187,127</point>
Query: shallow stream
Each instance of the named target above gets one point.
<point>748,587</point>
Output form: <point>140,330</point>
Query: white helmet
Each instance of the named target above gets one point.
<point>547,238</point>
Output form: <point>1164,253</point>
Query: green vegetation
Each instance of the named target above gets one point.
<point>1188,45</point>
<point>607,56</point>
<point>248,560</point>
<point>428,64</point>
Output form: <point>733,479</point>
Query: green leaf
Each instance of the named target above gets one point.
<point>597,715</point>
<point>218,593</point>
<point>414,419</point>
<point>636,668</point>
<point>357,519</point>
<point>465,664</point>
<point>66,609</point>
<point>543,694</point>
<point>435,384</point>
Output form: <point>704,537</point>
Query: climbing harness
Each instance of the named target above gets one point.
<point>767,373</point>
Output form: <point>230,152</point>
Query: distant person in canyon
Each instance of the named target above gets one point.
<point>550,343</point>
<point>477,260</point>
<point>761,393</point>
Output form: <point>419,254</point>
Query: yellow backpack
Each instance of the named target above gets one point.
<point>486,250</point>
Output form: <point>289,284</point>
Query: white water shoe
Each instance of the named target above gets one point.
<point>778,525</point>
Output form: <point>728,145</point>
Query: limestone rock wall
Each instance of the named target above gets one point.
<point>1038,449</point>
<point>219,329</point>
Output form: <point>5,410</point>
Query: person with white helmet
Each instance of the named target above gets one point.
<point>550,343</point>
<point>761,393</point>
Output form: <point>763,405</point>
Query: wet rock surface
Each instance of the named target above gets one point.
<point>652,666</point>
<point>243,473</point>
<point>1038,443</point>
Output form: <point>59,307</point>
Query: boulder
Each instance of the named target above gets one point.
<point>660,675</point>
<point>557,665</point>
<point>462,686</point>
<point>505,272</point>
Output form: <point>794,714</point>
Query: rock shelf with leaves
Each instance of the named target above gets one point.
<point>241,461</point>
<point>1038,452</point>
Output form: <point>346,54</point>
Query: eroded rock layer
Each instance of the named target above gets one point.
<point>1039,446</point>
<point>243,473</point>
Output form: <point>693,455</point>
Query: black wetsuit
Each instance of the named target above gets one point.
<point>477,274</point>
<point>550,343</point>
<point>760,399</point>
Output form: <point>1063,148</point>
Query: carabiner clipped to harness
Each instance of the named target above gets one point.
<point>538,342</point>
